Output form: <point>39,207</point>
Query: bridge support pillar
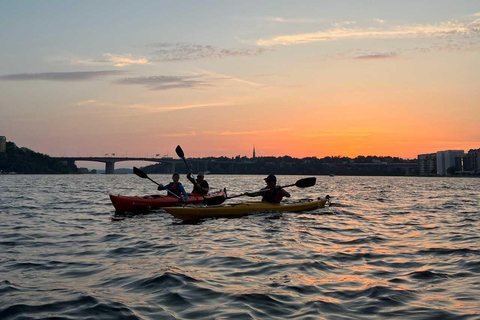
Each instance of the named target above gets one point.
<point>109,167</point>
<point>170,166</point>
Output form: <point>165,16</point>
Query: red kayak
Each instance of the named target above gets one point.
<point>145,203</point>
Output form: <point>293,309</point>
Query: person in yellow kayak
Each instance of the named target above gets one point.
<point>175,187</point>
<point>200,185</point>
<point>273,193</point>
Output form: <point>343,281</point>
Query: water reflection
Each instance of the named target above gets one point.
<point>393,248</point>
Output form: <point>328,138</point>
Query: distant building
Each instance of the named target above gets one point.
<point>446,159</point>
<point>253,152</point>
<point>427,164</point>
<point>471,161</point>
<point>3,143</point>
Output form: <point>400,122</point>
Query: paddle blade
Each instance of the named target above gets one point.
<point>179,152</point>
<point>214,201</point>
<point>306,182</point>
<point>140,173</point>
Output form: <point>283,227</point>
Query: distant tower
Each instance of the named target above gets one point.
<point>253,151</point>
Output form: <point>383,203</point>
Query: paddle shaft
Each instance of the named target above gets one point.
<point>142,174</point>
<point>263,190</point>
<point>180,153</point>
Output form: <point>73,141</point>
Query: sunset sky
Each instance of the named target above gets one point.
<point>298,78</point>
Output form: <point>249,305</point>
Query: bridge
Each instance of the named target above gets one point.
<point>196,164</point>
<point>110,161</point>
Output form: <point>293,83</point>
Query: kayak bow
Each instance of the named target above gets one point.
<point>133,204</point>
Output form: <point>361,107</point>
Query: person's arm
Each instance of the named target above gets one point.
<point>254,194</point>
<point>284,193</point>
<point>161,187</point>
<point>205,187</point>
<point>185,195</point>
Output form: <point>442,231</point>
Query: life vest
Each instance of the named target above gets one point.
<point>203,185</point>
<point>175,189</point>
<point>272,196</point>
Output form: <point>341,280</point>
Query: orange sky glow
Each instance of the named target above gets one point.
<point>300,81</point>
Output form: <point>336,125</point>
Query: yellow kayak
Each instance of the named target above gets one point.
<point>236,210</point>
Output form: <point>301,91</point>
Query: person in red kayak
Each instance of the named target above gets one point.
<point>175,187</point>
<point>200,185</point>
<point>273,193</point>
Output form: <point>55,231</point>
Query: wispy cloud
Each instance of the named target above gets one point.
<point>378,56</point>
<point>199,80</point>
<point>157,109</point>
<point>179,135</point>
<point>419,30</point>
<point>151,108</point>
<point>250,132</point>
<point>87,102</point>
<point>61,76</point>
<point>195,106</point>
<point>344,23</point>
<point>291,20</point>
<point>220,76</point>
<point>189,51</point>
<point>349,132</point>
<point>115,60</point>
<point>379,20</point>
<point>125,60</point>
<point>336,134</point>
<point>166,82</point>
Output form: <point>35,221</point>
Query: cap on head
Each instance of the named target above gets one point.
<point>270,178</point>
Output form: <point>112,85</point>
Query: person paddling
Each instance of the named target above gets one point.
<point>200,185</point>
<point>175,187</point>
<point>273,193</point>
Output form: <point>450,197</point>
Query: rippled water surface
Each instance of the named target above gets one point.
<point>387,248</point>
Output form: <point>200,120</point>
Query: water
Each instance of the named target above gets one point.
<point>388,248</point>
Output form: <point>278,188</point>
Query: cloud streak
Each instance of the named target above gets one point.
<point>237,133</point>
<point>189,51</point>
<point>150,108</point>
<point>377,56</point>
<point>291,20</point>
<point>179,135</point>
<point>166,82</point>
<point>61,76</point>
<point>115,60</point>
<point>425,30</point>
<point>156,109</point>
<point>219,76</point>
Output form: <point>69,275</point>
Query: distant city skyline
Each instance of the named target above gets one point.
<point>309,78</point>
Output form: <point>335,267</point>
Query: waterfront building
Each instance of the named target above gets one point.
<point>471,161</point>
<point>447,159</point>
<point>3,143</point>
<point>427,164</point>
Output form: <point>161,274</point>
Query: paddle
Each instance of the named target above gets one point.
<point>302,183</point>
<point>180,153</point>
<point>143,175</point>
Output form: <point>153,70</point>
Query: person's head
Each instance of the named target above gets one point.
<point>175,177</point>
<point>271,180</point>
<point>200,176</point>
